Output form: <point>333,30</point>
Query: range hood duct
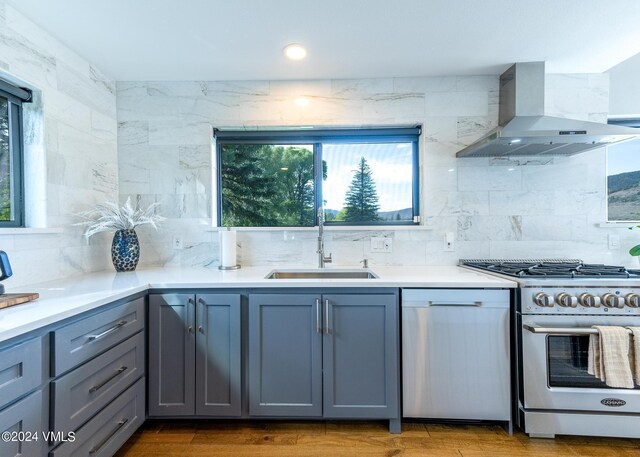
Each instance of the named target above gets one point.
<point>524,130</point>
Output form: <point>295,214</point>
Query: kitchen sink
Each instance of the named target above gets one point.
<point>322,274</point>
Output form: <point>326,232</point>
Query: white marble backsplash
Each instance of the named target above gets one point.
<point>506,207</point>
<point>71,134</point>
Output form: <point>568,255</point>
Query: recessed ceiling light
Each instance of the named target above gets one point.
<point>517,140</point>
<point>295,51</point>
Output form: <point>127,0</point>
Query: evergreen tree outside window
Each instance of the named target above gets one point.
<point>281,178</point>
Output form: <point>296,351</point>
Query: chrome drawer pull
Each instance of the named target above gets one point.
<point>318,318</point>
<point>108,331</point>
<point>96,449</point>
<point>327,330</point>
<point>118,372</point>
<point>472,303</point>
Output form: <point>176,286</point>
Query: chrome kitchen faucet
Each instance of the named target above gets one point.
<point>320,251</point>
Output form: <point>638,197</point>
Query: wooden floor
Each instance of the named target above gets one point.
<point>370,439</point>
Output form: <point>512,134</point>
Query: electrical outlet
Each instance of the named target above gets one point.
<point>614,241</point>
<point>381,244</point>
<point>449,242</point>
<point>177,242</point>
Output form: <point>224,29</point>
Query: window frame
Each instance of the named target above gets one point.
<point>316,138</point>
<point>16,148</point>
<point>632,122</point>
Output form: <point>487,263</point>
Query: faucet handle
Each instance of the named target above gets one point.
<point>365,263</point>
<point>328,259</point>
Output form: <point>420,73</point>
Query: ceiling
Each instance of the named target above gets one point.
<point>243,39</point>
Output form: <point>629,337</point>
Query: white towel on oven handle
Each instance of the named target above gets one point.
<point>609,356</point>
<point>635,353</point>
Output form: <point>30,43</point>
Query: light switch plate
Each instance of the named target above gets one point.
<point>614,241</point>
<point>449,242</point>
<point>381,244</point>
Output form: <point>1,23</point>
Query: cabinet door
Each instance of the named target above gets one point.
<point>285,358</point>
<point>171,355</point>
<point>218,357</point>
<point>360,356</point>
<point>25,422</point>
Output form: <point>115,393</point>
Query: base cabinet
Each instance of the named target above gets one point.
<point>331,355</point>
<point>194,355</point>
<point>24,424</point>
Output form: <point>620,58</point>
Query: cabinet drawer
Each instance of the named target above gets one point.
<point>27,417</point>
<point>22,369</point>
<point>103,435</point>
<point>82,340</point>
<point>81,393</point>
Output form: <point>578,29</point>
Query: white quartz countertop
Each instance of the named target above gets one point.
<point>65,298</point>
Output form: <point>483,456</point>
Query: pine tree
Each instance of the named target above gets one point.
<point>361,202</point>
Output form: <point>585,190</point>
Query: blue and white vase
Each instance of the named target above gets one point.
<point>125,250</point>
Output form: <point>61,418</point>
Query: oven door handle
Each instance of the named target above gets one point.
<point>563,330</point>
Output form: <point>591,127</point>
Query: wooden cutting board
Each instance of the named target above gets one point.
<point>7,300</point>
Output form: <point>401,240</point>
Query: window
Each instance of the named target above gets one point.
<point>11,161</point>
<point>281,178</point>
<point>623,178</point>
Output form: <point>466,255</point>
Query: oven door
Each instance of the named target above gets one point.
<point>554,359</point>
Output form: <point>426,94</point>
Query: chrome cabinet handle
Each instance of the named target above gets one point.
<point>190,301</point>
<point>201,329</point>
<point>107,332</point>
<point>454,303</point>
<point>190,329</point>
<point>318,318</point>
<point>326,317</point>
<point>97,387</point>
<point>100,445</point>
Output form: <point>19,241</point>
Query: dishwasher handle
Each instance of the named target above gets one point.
<point>454,303</point>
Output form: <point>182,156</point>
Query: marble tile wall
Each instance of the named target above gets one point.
<point>524,207</point>
<point>71,143</point>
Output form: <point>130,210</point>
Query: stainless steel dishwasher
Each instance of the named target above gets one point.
<point>455,354</point>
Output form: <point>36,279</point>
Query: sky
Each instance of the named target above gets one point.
<point>391,167</point>
<point>623,157</point>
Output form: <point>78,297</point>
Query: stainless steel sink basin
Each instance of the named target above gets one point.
<point>322,274</point>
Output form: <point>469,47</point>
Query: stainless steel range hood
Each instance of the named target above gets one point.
<point>524,130</point>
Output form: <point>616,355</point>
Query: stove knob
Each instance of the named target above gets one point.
<point>566,300</point>
<point>542,299</point>
<point>632,300</point>
<point>589,301</point>
<point>612,301</point>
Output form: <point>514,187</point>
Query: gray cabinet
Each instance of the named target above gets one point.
<point>331,355</point>
<point>360,356</point>
<point>194,355</point>
<point>285,355</point>
<point>26,423</point>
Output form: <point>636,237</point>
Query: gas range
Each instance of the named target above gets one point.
<point>567,286</point>
<point>556,305</point>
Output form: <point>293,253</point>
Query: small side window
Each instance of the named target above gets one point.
<point>623,177</point>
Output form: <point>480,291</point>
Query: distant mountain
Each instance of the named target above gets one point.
<point>623,181</point>
<point>405,214</point>
<point>623,193</point>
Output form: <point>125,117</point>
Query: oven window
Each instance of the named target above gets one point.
<point>567,358</point>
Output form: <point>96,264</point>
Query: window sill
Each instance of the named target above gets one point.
<point>30,230</point>
<point>328,228</point>
<point>617,224</point>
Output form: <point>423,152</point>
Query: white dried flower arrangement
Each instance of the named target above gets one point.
<point>109,217</point>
